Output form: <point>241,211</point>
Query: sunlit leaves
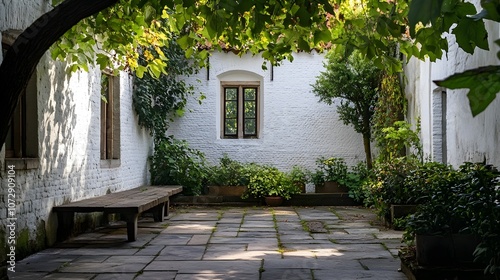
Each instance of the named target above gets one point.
<point>483,84</point>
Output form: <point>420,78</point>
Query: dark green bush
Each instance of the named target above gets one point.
<point>175,163</point>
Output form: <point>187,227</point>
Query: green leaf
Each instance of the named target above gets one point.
<point>425,11</point>
<point>183,41</point>
<point>322,36</point>
<point>483,83</point>
<point>471,33</point>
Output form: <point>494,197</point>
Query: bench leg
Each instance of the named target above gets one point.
<point>158,212</point>
<point>167,205</point>
<point>65,222</point>
<point>131,220</point>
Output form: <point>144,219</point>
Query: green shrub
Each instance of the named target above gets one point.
<point>269,181</point>
<point>175,163</point>
<point>229,172</point>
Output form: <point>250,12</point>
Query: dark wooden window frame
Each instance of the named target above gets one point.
<point>22,139</point>
<point>110,121</point>
<point>240,86</point>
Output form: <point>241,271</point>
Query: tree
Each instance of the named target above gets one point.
<point>355,82</point>
<point>462,20</point>
<point>111,36</point>
<point>22,57</point>
<point>108,32</point>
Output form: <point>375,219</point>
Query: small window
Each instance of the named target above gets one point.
<point>240,110</point>
<point>110,117</point>
<point>22,138</point>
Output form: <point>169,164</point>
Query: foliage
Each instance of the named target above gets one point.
<point>483,84</point>
<point>229,172</point>
<point>468,27</point>
<point>174,163</point>
<point>274,28</point>
<point>478,205</point>
<point>394,141</point>
<point>269,181</point>
<point>298,175</point>
<point>356,181</point>
<point>354,81</point>
<point>387,184</point>
<point>390,108</point>
<point>158,101</point>
<point>461,201</point>
<point>332,169</point>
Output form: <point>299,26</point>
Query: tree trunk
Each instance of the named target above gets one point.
<point>368,151</point>
<point>22,58</point>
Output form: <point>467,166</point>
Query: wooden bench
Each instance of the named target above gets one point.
<point>129,204</point>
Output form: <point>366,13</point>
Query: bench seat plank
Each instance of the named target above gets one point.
<point>130,203</point>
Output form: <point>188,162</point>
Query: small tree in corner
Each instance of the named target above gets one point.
<point>353,82</point>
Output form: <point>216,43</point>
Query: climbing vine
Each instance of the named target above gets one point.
<point>390,108</point>
<point>158,102</point>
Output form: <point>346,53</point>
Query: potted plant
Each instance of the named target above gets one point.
<point>459,212</point>
<point>229,178</point>
<point>388,186</point>
<point>334,172</point>
<point>478,205</point>
<point>298,175</point>
<point>269,183</point>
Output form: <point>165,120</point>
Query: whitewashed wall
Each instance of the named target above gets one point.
<point>467,138</point>
<point>296,128</point>
<point>69,138</point>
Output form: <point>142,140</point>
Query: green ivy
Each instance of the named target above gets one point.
<point>157,101</point>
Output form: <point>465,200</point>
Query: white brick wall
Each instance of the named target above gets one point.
<point>69,137</point>
<point>468,138</point>
<point>296,128</point>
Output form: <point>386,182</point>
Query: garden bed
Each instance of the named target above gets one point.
<point>413,271</point>
<point>306,199</point>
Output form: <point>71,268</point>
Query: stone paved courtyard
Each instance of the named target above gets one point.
<point>321,243</point>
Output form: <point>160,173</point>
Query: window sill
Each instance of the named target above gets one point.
<point>110,163</point>
<point>22,163</point>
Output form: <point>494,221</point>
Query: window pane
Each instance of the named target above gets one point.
<point>250,127</point>
<point>250,109</point>
<point>231,109</point>
<point>230,127</point>
<point>250,93</point>
<point>231,93</point>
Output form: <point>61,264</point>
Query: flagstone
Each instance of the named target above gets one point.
<point>181,253</point>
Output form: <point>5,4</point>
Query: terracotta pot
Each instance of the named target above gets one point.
<point>273,200</point>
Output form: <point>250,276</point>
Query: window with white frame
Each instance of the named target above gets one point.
<point>240,110</point>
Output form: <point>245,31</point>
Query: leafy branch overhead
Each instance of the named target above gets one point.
<point>483,84</point>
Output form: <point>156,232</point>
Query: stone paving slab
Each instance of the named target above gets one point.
<point>357,274</point>
<point>229,243</point>
<point>205,267</point>
<point>287,273</point>
<point>157,275</point>
<point>76,276</point>
<point>119,276</point>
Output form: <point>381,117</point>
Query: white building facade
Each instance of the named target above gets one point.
<point>67,144</point>
<point>449,131</point>
<point>286,126</point>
